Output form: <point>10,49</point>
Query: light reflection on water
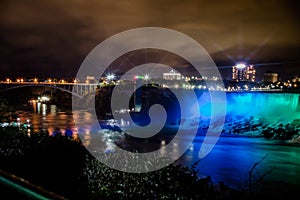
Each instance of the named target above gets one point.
<point>48,118</point>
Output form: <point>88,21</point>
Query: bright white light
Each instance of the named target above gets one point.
<point>44,98</point>
<point>147,77</point>
<point>110,76</point>
<point>240,66</point>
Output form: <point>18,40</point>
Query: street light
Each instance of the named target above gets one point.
<point>110,77</point>
<point>147,77</point>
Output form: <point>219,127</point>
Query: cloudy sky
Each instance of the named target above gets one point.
<point>51,38</point>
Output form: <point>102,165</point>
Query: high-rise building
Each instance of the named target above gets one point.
<point>270,77</point>
<point>242,72</point>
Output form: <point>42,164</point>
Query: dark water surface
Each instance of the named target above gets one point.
<point>229,161</point>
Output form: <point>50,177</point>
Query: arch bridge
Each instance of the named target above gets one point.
<point>76,89</point>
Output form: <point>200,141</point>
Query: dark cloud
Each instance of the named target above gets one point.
<point>47,38</point>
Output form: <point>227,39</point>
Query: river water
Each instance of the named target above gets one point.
<point>229,161</point>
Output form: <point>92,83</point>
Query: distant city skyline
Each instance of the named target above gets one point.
<point>52,38</point>
<point>226,74</point>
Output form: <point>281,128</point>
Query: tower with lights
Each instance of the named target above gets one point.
<point>243,72</point>
<point>137,93</point>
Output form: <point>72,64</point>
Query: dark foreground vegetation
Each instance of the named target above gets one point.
<point>62,165</point>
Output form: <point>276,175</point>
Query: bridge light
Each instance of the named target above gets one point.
<point>62,81</point>
<point>35,80</point>
<point>8,80</point>
<point>22,80</point>
<point>49,80</point>
<point>18,80</point>
<point>75,81</point>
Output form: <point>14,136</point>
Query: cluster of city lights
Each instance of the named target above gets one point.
<point>185,82</point>
<point>17,123</point>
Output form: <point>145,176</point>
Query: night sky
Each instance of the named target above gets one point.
<point>51,38</point>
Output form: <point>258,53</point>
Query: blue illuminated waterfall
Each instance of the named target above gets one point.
<point>263,104</point>
<point>275,106</point>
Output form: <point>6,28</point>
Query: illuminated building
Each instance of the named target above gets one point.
<point>90,79</point>
<point>242,72</point>
<point>172,75</point>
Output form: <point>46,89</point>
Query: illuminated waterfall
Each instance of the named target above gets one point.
<point>261,104</point>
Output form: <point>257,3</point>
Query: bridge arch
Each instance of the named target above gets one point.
<point>41,85</point>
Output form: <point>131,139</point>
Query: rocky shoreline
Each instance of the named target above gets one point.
<point>240,126</point>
